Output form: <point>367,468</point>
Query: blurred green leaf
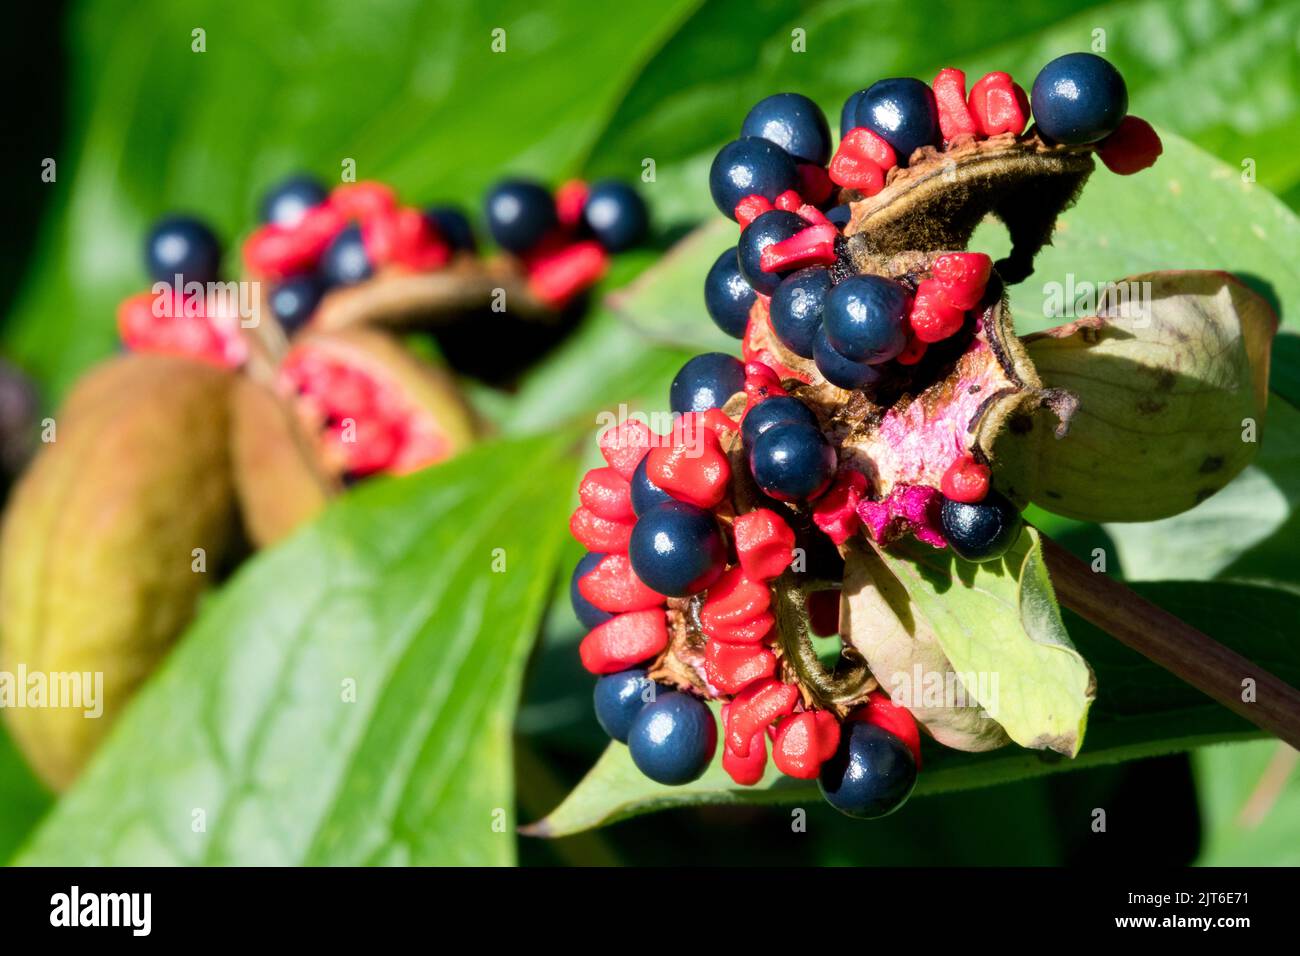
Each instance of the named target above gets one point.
<point>603,364</point>
<point>1141,711</point>
<point>22,798</point>
<point>1250,804</point>
<point>348,698</point>
<point>413,92</point>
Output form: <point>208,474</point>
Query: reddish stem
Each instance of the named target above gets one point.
<point>1175,645</point>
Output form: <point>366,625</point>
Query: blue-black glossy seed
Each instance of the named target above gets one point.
<point>903,112</point>
<point>706,381</point>
<point>673,740</point>
<point>185,246</point>
<point>616,215</point>
<point>1078,98</point>
<point>777,410</point>
<point>519,214</point>
<point>871,774</point>
<point>840,371</point>
<point>792,461</point>
<point>797,306</point>
<point>747,166</point>
<point>793,122</point>
<point>771,227</point>
<point>288,200</point>
<point>728,295</point>
<point>677,548</point>
<point>345,261</point>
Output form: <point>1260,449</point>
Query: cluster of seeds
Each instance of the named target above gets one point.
<point>312,241</point>
<point>687,588</point>
<point>672,539</point>
<point>564,240</point>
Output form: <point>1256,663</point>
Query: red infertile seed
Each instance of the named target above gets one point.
<point>962,277</point>
<point>754,708</point>
<point>932,319</point>
<point>570,200</point>
<point>789,200</point>
<point>950,94</point>
<point>557,277</point>
<point>898,720</point>
<point>1133,147</point>
<point>999,105</point>
<point>804,742</point>
<point>623,641</point>
<point>814,246</point>
<point>966,480</point>
<point>750,208</point>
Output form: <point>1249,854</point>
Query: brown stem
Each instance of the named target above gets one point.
<point>1175,645</point>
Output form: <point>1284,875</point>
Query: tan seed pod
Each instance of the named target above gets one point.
<point>109,539</point>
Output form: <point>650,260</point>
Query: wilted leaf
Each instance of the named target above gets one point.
<point>884,624</point>
<point>1248,531</point>
<point>998,624</point>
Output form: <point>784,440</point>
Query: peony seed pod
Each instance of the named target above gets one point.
<point>1171,383</point>
<point>109,540</point>
<point>345,405</point>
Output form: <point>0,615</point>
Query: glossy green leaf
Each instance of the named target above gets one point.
<point>348,698</point>
<point>1141,711</point>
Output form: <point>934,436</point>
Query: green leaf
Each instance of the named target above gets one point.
<point>348,698</point>
<point>605,363</point>
<point>1250,804</point>
<point>412,92</point>
<point>1189,211</point>
<point>22,798</point>
<point>999,625</point>
<point>1141,711</point>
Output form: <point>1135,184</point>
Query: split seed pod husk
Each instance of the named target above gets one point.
<point>285,472</point>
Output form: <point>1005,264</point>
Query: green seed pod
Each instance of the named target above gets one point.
<point>109,539</point>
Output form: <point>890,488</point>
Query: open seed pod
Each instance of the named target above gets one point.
<point>109,539</point>
<point>342,405</point>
